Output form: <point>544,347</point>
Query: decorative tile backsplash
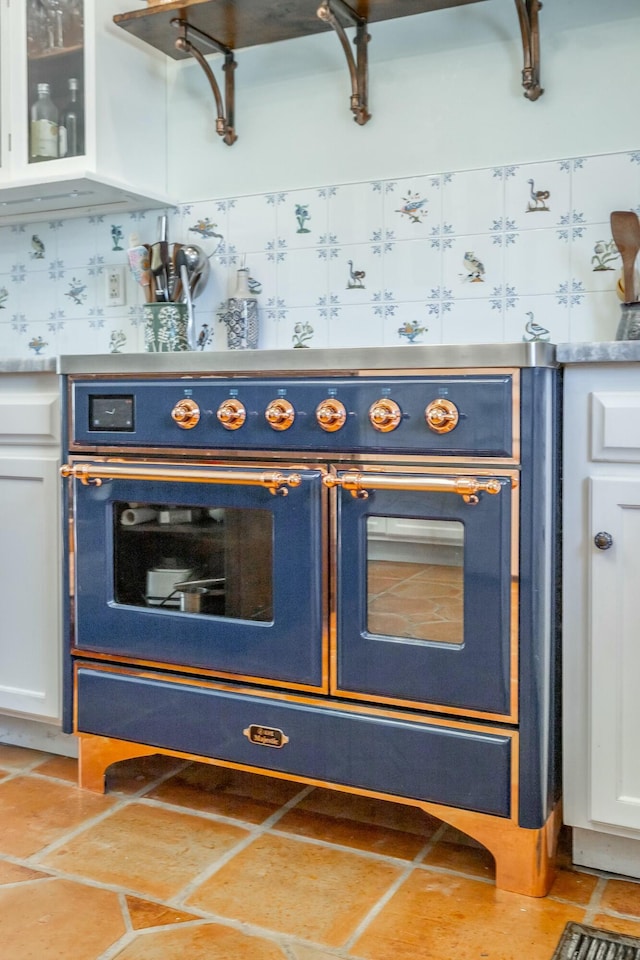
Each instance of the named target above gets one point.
<point>499,254</point>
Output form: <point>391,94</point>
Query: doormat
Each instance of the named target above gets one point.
<point>589,943</point>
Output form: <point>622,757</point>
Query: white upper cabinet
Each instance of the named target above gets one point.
<point>83,112</point>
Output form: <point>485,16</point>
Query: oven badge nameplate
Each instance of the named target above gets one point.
<point>266,736</point>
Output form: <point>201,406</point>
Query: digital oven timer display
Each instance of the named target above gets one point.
<point>111,413</point>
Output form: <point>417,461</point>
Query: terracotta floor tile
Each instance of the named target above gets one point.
<point>573,886</point>
<point>623,896</point>
<point>19,758</point>
<point>616,925</point>
<point>230,793</point>
<point>56,919</point>
<point>13,873</point>
<point>62,768</point>
<point>144,913</point>
<point>440,917</point>
<point>462,857</point>
<point>131,776</point>
<point>151,851</point>
<point>206,942</point>
<point>378,826</point>
<point>313,892</point>
<point>300,952</point>
<point>34,812</point>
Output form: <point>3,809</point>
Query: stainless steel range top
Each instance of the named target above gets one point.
<point>441,356</point>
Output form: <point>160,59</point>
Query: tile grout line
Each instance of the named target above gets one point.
<point>393,889</point>
<point>120,802</point>
<point>257,831</point>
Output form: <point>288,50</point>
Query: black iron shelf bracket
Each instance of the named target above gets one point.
<point>225,108</point>
<point>358,68</point>
<point>528,16</point>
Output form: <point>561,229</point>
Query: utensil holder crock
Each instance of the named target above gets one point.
<point>165,327</point>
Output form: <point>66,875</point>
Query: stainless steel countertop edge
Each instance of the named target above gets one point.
<point>441,356</point>
<point>28,365</point>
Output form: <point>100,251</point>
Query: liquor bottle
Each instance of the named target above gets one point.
<point>44,126</point>
<point>71,132</point>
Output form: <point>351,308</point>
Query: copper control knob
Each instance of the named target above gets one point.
<point>331,414</point>
<point>280,414</point>
<point>186,414</point>
<point>385,415</point>
<point>232,414</point>
<point>441,415</point>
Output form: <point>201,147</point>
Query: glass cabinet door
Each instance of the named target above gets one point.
<point>55,79</point>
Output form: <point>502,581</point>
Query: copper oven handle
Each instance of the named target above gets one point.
<point>90,473</point>
<point>467,487</point>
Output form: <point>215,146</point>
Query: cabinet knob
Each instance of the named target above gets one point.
<point>603,540</point>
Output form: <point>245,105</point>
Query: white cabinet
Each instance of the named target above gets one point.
<point>615,651</point>
<point>601,614</point>
<point>30,559</point>
<point>121,162</point>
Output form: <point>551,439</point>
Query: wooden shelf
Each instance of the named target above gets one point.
<point>179,27</point>
<point>249,23</point>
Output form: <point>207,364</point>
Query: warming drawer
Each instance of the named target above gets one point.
<point>457,765</point>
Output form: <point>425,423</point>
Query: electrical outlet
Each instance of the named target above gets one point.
<point>116,289</point>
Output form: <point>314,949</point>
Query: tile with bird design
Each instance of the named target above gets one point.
<point>354,274</point>
<point>539,318</point>
<point>537,196</point>
<point>472,266</point>
<point>412,208</point>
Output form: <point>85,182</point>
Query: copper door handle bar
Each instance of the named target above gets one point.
<point>359,484</point>
<point>88,473</point>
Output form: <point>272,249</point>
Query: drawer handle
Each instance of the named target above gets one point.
<point>603,540</point>
<point>265,736</point>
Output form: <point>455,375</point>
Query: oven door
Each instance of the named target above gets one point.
<point>426,585</point>
<point>217,568</point>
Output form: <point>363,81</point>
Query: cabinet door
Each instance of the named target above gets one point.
<point>615,652</point>
<point>30,582</point>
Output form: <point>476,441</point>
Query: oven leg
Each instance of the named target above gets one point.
<point>95,754</point>
<point>525,859</point>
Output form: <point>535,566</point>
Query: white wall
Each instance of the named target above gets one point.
<point>445,95</point>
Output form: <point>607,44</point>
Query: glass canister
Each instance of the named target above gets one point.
<point>241,315</point>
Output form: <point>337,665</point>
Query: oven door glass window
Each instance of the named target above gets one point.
<point>415,579</point>
<point>216,560</point>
